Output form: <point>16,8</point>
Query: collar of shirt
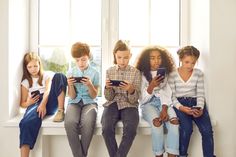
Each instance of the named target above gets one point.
<point>82,73</point>
<point>126,68</point>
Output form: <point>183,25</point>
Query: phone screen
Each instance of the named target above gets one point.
<point>116,82</point>
<point>161,72</point>
<point>35,93</point>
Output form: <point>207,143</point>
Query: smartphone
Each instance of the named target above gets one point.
<point>35,93</point>
<point>116,82</point>
<point>78,79</point>
<point>161,72</point>
<point>196,107</point>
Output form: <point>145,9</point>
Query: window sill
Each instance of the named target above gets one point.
<point>52,128</point>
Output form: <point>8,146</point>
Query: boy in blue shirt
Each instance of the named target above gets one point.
<point>81,113</point>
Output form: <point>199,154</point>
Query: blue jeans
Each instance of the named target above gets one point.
<point>152,110</point>
<point>186,128</point>
<point>130,119</point>
<point>31,123</point>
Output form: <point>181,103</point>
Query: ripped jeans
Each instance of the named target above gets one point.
<point>152,110</point>
<point>186,128</point>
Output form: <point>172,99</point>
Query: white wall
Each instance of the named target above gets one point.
<point>13,44</point>
<point>212,30</point>
<point>222,86</point>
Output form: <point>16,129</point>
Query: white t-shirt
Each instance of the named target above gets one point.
<point>35,85</point>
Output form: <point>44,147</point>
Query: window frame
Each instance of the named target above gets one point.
<point>109,32</point>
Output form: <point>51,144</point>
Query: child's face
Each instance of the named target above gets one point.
<point>155,60</point>
<point>188,62</point>
<point>33,68</point>
<point>122,58</point>
<point>82,62</point>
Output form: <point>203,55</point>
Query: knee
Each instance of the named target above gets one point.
<point>157,122</point>
<point>107,127</point>
<point>59,75</point>
<point>186,131</point>
<point>88,123</point>
<point>33,120</point>
<point>207,132</point>
<point>174,121</point>
<point>69,124</point>
<point>130,131</point>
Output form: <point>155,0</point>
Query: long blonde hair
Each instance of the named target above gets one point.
<point>28,57</point>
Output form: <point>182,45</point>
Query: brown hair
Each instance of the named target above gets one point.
<point>28,57</point>
<point>120,45</point>
<point>80,49</point>
<point>143,62</point>
<point>188,51</point>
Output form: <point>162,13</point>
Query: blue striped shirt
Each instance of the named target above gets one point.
<point>193,87</point>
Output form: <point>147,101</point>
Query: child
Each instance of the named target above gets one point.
<point>187,84</point>
<point>122,101</point>
<point>156,100</point>
<point>81,113</point>
<point>49,95</point>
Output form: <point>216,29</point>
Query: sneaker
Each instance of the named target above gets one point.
<point>59,117</point>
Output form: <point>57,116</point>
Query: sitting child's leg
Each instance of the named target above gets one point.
<point>59,117</point>
<point>59,83</point>
<point>172,140</point>
<point>56,97</point>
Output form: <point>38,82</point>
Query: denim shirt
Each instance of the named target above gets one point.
<point>81,89</point>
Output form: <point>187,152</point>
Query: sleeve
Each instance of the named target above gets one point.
<point>48,74</point>
<point>109,93</point>
<point>96,79</point>
<point>133,98</point>
<point>171,82</point>
<point>165,95</point>
<point>200,90</point>
<point>144,96</point>
<point>25,83</point>
<point>69,73</point>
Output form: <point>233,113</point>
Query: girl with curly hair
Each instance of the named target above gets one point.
<point>156,101</point>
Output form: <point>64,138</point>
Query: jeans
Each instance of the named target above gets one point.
<point>31,123</point>
<point>80,120</point>
<point>130,119</point>
<point>186,128</point>
<point>152,110</point>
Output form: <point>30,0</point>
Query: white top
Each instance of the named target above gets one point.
<point>163,91</point>
<point>35,85</point>
<point>193,87</point>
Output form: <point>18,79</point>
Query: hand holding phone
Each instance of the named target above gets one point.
<point>79,79</point>
<point>35,93</point>
<point>116,82</point>
<point>196,107</point>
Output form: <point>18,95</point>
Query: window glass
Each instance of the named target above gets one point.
<point>53,22</point>
<point>142,22</point>
<point>149,22</point>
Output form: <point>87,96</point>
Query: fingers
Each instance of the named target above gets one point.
<point>197,113</point>
<point>70,81</point>
<point>108,84</point>
<point>41,112</point>
<point>160,78</point>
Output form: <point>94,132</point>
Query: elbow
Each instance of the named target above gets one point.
<point>23,105</point>
<point>94,95</point>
